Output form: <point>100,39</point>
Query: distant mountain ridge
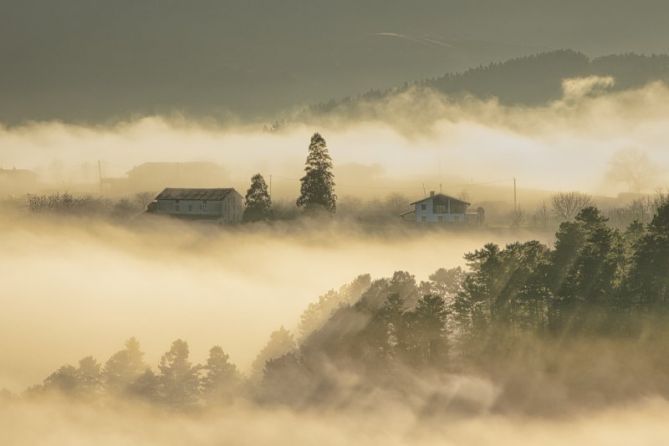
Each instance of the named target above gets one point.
<point>530,80</point>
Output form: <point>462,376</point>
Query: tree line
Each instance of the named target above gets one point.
<point>525,302</point>
<point>316,186</point>
<point>529,80</point>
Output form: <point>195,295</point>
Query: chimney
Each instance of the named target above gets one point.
<point>431,193</point>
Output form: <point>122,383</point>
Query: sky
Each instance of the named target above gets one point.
<point>95,61</point>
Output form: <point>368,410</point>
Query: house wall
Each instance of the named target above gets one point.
<point>210,208</point>
<point>425,213</point>
<point>233,208</point>
<point>229,210</point>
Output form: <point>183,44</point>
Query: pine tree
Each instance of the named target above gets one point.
<point>589,285</point>
<point>258,201</point>
<point>179,380</point>
<point>146,387</point>
<point>281,342</point>
<point>429,318</point>
<point>317,190</point>
<point>80,382</point>
<point>222,379</point>
<point>124,367</point>
<point>647,285</point>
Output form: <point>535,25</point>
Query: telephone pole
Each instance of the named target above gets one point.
<point>100,175</point>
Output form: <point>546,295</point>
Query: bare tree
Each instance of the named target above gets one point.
<point>567,204</point>
<point>634,168</point>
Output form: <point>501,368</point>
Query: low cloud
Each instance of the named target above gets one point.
<point>415,137</point>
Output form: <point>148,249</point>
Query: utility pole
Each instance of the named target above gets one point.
<point>100,175</point>
<point>515,196</point>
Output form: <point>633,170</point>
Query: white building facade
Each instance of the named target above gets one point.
<point>440,208</point>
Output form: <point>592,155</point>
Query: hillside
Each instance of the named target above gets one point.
<point>530,80</point>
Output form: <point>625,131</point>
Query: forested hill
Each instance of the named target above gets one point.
<point>531,80</point>
<point>537,79</point>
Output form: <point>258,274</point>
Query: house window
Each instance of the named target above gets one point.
<point>423,207</point>
<point>204,205</point>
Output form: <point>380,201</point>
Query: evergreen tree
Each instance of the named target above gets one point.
<point>317,189</point>
<point>397,330</point>
<point>89,377</point>
<point>281,342</point>
<point>63,380</point>
<point>318,313</point>
<point>124,367</point>
<point>514,307</point>
<point>473,304</point>
<point>147,387</point>
<point>429,330</point>
<point>81,382</point>
<point>258,202</point>
<point>179,380</point>
<point>589,287</point>
<point>568,242</point>
<point>647,284</point>
<point>446,282</point>
<point>222,379</point>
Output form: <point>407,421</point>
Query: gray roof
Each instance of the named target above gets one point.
<point>441,196</point>
<point>172,193</point>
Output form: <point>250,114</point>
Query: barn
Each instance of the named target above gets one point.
<point>225,205</point>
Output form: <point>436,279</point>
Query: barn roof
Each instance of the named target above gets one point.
<point>172,193</point>
<point>441,197</point>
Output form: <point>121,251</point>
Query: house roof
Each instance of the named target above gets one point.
<point>441,196</point>
<point>18,173</point>
<point>172,193</point>
<point>152,168</point>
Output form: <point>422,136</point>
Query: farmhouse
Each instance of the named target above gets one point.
<point>17,181</point>
<point>440,208</point>
<point>224,205</point>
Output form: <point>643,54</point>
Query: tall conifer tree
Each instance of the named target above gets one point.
<point>317,190</point>
<point>258,200</point>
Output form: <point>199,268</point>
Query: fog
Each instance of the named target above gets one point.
<point>78,287</point>
<point>48,424</point>
<point>405,143</point>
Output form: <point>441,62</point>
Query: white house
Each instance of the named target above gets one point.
<point>225,205</point>
<point>440,208</point>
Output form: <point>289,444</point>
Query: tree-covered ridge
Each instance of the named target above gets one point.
<point>547,324</point>
<point>529,80</point>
